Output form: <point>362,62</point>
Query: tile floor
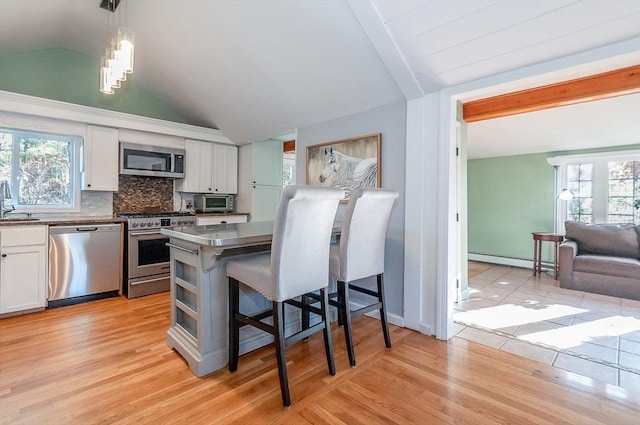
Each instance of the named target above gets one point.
<point>593,335</point>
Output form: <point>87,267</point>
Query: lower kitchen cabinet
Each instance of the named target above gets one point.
<point>23,268</point>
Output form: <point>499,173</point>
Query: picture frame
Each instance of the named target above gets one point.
<point>347,164</point>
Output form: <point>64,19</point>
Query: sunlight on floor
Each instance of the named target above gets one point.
<point>594,336</point>
<point>506,315</point>
<point>568,337</point>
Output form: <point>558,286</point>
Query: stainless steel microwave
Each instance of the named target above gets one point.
<point>155,161</point>
<point>213,203</point>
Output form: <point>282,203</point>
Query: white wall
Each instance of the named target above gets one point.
<point>390,121</point>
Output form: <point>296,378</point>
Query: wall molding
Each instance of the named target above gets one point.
<point>36,106</point>
<point>505,261</point>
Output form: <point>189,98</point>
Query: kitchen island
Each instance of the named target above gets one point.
<point>199,291</point>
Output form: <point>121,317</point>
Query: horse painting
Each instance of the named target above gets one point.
<point>347,172</point>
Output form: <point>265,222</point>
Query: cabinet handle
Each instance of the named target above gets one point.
<point>88,185</point>
<point>4,255</point>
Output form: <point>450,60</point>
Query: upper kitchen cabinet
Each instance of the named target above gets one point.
<point>225,168</point>
<point>209,168</point>
<point>100,159</point>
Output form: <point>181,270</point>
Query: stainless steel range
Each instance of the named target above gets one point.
<point>147,264</point>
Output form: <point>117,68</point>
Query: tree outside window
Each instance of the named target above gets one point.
<point>580,183</point>
<point>38,167</point>
<point>624,190</point>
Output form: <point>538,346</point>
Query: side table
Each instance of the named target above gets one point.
<point>538,238</point>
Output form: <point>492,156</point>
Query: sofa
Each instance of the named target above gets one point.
<point>601,258</point>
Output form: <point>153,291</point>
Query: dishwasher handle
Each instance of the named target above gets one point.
<point>86,229</point>
<point>99,228</point>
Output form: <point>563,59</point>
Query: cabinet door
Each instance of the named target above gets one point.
<point>267,163</point>
<point>197,172</point>
<point>100,159</point>
<point>225,166</point>
<point>22,278</point>
<point>265,201</point>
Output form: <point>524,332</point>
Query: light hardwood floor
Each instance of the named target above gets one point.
<point>106,362</point>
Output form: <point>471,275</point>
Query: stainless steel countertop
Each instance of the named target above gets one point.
<point>224,235</point>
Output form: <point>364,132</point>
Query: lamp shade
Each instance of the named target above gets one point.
<point>565,195</point>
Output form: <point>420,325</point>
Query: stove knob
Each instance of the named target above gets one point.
<point>180,222</point>
<point>157,223</point>
<point>149,223</point>
<point>134,225</point>
<point>143,224</point>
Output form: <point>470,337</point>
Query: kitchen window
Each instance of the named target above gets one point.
<point>41,170</point>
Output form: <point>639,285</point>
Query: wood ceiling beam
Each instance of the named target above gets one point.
<point>601,86</point>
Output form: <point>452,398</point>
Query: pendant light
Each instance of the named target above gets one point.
<point>118,59</point>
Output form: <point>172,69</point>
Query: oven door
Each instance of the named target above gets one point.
<point>148,253</point>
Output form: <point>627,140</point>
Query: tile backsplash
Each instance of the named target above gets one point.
<point>137,193</point>
<point>96,203</point>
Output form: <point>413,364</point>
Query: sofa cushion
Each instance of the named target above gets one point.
<point>605,265</point>
<point>618,240</point>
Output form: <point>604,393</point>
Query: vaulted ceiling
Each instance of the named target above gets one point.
<point>257,69</point>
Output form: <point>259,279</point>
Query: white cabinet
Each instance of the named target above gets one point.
<point>219,219</point>
<point>23,268</point>
<point>225,169</point>
<point>210,168</point>
<point>100,159</point>
<point>260,179</point>
<point>266,162</point>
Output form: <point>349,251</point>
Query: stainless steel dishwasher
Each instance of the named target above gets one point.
<point>85,263</point>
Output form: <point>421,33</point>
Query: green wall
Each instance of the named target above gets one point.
<point>509,197</point>
<point>71,77</point>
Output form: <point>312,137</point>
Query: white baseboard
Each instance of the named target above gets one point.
<point>391,318</point>
<point>426,329</point>
<point>505,261</point>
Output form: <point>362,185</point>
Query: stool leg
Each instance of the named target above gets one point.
<point>328,344</point>
<point>234,326</point>
<point>305,312</point>
<point>278,328</point>
<point>343,289</point>
<point>383,312</point>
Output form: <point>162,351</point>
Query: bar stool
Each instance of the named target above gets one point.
<point>360,254</point>
<point>298,263</point>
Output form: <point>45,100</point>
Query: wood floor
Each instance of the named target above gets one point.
<point>106,362</point>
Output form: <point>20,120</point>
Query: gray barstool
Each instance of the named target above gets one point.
<point>298,263</point>
<point>360,254</point>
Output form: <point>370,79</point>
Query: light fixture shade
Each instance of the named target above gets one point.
<point>105,86</point>
<point>565,195</point>
<point>113,75</point>
<point>125,48</point>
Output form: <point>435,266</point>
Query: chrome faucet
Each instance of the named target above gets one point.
<point>5,193</point>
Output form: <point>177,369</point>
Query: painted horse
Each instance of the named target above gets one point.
<point>347,172</point>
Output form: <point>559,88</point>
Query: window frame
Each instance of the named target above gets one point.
<point>76,142</point>
<point>600,181</point>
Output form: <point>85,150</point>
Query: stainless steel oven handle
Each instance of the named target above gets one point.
<point>150,232</point>
<point>149,281</point>
<point>181,248</point>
